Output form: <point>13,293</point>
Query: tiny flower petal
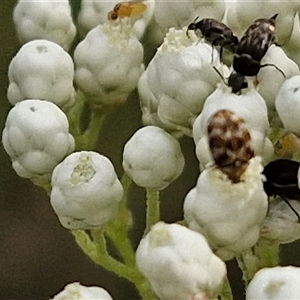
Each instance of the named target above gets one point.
<point>153,158</point>
<point>85,191</point>
<point>179,264</point>
<point>76,291</point>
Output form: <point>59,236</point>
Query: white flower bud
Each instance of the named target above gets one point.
<point>153,158</point>
<point>291,47</point>
<point>250,106</point>
<point>76,291</point>
<point>93,13</point>
<point>42,70</point>
<point>288,105</point>
<point>270,79</point>
<point>275,283</point>
<point>179,264</point>
<point>177,14</point>
<point>228,214</point>
<point>36,138</point>
<point>281,224</point>
<point>177,81</point>
<point>109,62</point>
<point>85,191</point>
<point>50,20</point>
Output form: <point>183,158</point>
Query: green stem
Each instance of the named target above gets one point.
<point>226,293</point>
<point>96,250</point>
<point>263,255</point>
<point>267,254</point>
<point>84,140</point>
<point>88,139</point>
<point>153,208</point>
<point>118,230</point>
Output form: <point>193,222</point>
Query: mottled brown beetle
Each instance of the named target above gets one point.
<point>282,180</point>
<point>216,33</point>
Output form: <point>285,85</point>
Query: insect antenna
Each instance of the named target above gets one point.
<point>219,73</point>
<point>291,207</point>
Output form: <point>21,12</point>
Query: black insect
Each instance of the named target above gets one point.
<point>216,33</point>
<point>282,180</point>
<point>252,48</point>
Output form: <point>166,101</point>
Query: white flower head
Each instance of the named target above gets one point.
<point>228,214</point>
<point>94,13</point>
<point>108,64</point>
<point>275,283</point>
<point>177,81</point>
<point>179,264</point>
<point>85,191</point>
<point>50,20</point>
<point>177,14</point>
<point>270,79</point>
<point>76,291</point>
<point>36,137</point>
<point>153,158</point>
<point>288,104</point>
<point>281,224</point>
<point>250,106</point>
<point>42,70</point>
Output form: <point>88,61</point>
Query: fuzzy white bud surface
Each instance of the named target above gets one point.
<point>281,224</point>
<point>228,214</point>
<point>288,104</point>
<point>250,106</point>
<point>85,191</point>
<point>275,283</point>
<point>179,264</point>
<point>177,14</point>
<point>153,158</point>
<point>108,64</point>
<point>177,81</point>
<point>270,79</point>
<point>241,14</point>
<point>42,70</point>
<point>76,291</point>
<point>50,20</point>
<point>36,137</point>
<point>93,13</point>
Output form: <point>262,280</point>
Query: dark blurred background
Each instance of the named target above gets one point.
<point>37,256</point>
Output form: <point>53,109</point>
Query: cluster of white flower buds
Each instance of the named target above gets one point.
<point>181,92</point>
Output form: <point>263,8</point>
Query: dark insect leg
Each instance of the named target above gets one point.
<point>220,75</point>
<point>272,65</point>
<point>291,207</point>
